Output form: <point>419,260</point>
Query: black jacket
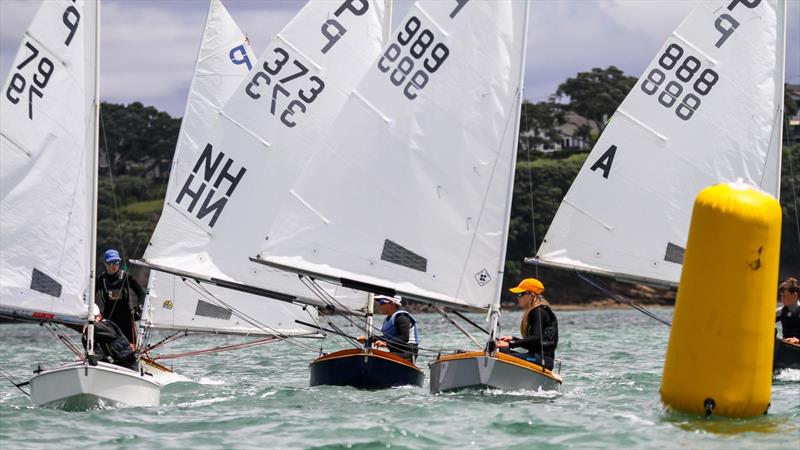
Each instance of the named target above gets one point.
<point>542,332</point>
<point>111,345</point>
<point>120,298</point>
<point>789,317</point>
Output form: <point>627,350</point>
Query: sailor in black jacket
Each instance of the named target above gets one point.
<point>110,343</point>
<point>539,326</point>
<point>789,314</point>
<point>119,295</point>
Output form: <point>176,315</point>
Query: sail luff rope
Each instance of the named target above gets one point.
<point>791,181</point>
<point>113,184</point>
<point>530,183</point>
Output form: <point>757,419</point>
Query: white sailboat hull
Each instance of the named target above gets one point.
<point>476,370</point>
<point>79,385</point>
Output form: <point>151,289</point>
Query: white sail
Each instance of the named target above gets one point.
<point>223,61</point>
<point>411,192</point>
<point>708,109</point>
<point>222,200</point>
<point>46,181</point>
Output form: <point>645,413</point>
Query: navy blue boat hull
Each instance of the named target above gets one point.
<point>364,370</point>
<point>787,356</point>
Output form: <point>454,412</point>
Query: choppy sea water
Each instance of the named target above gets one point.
<point>259,398</point>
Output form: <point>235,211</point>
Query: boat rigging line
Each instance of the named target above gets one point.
<point>469,321</point>
<point>791,181</point>
<point>15,381</point>
<point>621,299</point>
<point>201,290</point>
<point>457,325</point>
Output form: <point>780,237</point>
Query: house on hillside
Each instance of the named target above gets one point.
<point>576,133</point>
<point>792,132</point>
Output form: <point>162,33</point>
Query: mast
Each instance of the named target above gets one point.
<point>387,26</point>
<point>370,314</point>
<point>494,311</point>
<point>95,158</point>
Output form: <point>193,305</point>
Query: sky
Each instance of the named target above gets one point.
<point>149,47</point>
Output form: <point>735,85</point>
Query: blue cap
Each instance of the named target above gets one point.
<point>111,255</point>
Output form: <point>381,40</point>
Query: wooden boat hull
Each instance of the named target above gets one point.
<point>787,356</point>
<point>364,370</point>
<point>477,370</point>
<point>81,386</point>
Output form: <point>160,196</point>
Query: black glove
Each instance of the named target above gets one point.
<point>137,313</point>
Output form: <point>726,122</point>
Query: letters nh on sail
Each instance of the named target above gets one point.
<point>206,191</point>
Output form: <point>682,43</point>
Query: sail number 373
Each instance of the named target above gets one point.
<point>685,69</point>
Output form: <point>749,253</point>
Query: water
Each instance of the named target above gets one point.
<point>259,398</point>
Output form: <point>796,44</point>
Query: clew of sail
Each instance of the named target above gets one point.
<point>47,139</point>
<point>410,193</point>
<point>708,109</point>
<point>223,61</point>
<point>223,200</point>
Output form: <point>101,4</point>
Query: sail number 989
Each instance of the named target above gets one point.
<point>684,72</point>
<point>418,42</point>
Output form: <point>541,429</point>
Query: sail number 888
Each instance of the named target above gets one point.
<point>684,72</point>
<point>417,41</point>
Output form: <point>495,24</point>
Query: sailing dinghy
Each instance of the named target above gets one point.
<point>178,303</point>
<point>422,191</point>
<point>48,211</point>
<point>708,110</point>
<point>225,184</point>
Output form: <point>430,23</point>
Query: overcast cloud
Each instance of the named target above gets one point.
<point>149,47</point>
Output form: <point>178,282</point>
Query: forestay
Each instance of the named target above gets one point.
<point>46,180</point>
<point>411,192</point>
<point>708,109</point>
<point>223,61</point>
<point>222,201</point>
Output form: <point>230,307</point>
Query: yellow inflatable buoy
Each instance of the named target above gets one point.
<point>719,358</point>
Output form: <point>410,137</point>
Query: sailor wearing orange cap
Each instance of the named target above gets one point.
<point>539,327</point>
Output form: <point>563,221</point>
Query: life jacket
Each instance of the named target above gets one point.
<point>790,320</point>
<point>549,333</point>
<point>389,329</point>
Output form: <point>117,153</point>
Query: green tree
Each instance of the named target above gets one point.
<point>539,124</point>
<point>790,197</point>
<point>137,137</point>
<point>596,94</point>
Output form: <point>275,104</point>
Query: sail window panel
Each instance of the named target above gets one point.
<point>207,309</point>
<point>41,282</point>
<point>674,253</point>
<point>397,254</point>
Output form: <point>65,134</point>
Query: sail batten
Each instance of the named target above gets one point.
<point>705,111</point>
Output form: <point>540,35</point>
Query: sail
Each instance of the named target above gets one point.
<point>708,109</point>
<point>411,192</point>
<point>223,61</point>
<point>222,199</point>
<point>47,140</point>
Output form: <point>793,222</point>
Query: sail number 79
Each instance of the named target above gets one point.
<point>44,68</point>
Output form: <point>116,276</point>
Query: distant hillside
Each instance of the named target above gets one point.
<point>138,144</point>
